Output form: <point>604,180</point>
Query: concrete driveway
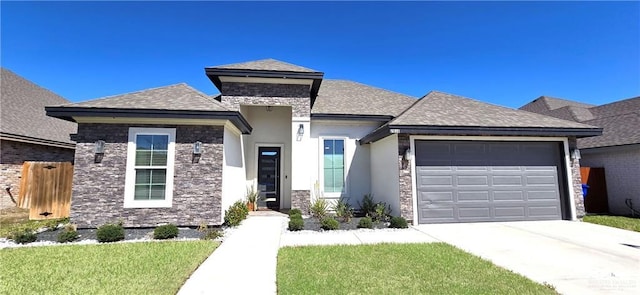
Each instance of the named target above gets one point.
<point>575,257</point>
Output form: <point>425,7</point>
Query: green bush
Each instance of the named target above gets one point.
<point>167,231</point>
<point>382,212</point>
<point>367,205</point>
<point>67,235</point>
<point>398,222</point>
<point>365,222</point>
<point>24,237</point>
<point>236,214</point>
<point>343,209</point>
<point>212,234</point>
<point>296,223</point>
<point>295,212</point>
<point>328,223</point>
<point>110,233</point>
<point>319,208</point>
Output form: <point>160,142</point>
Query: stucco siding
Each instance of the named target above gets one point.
<point>384,184</point>
<point>233,175</point>
<point>622,174</point>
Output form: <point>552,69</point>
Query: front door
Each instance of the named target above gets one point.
<point>269,176</point>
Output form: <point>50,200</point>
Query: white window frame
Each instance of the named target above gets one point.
<point>332,195</point>
<point>130,179</point>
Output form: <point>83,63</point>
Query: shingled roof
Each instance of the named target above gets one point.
<point>268,64</point>
<point>23,115</point>
<point>348,97</point>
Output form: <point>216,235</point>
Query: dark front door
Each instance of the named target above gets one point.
<point>269,175</point>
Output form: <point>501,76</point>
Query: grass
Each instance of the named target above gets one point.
<point>123,268</point>
<point>622,222</point>
<point>436,268</point>
<point>17,219</point>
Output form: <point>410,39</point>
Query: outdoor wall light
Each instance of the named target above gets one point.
<point>301,130</point>
<point>197,152</point>
<point>575,154</point>
<point>406,158</point>
<point>98,150</point>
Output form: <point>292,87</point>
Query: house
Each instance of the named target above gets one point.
<point>617,149</point>
<point>173,154</point>
<point>27,133</point>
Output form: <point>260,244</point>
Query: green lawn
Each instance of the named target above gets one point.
<point>436,268</point>
<point>123,268</point>
<point>622,222</point>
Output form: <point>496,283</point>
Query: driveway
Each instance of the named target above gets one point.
<point>574,257</point>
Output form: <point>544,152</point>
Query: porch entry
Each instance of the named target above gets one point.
<point>269,175</point>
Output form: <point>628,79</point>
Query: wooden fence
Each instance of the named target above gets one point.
<point>596,200</point>
<point>45,189</point>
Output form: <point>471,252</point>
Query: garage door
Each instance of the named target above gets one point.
<point>471,181</point>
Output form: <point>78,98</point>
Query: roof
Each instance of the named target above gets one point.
<point>268,64</point>
<point>439,113</point>
<point>348,97</point>
<point>173,97</point>
<point>173,101</point>
<point>22,112</point>
<point>619,120</point>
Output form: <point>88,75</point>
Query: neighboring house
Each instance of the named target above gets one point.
<point>442,158</point>
<point>617,149</point>
<point>27,133</point>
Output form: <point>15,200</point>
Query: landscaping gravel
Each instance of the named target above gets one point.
<point>129,234</point>
<point>312,223</point>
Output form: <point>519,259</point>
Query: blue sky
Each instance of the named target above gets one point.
<point>506,53</point>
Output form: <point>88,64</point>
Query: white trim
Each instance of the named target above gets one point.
<point>345,169</point>
<point>282,164</point>
<point>266,80</point>
<point>129,187</point>
<point>567,163</point>
<point>300,119</point>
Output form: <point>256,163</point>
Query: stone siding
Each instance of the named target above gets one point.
<point>406,196</point>
<point>301,199</point>
<point>13,154</point>
<point>300,106</point>
<point>265,90</point>
<point>577,181</point>
<point>98,188</point>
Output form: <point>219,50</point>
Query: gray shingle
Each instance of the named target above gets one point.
<point>348,97</point>
<point>266,65</point>
<point>173,97</point>
<point>443,109</point>
<point>547,103</point>
<point>616,130</point>
<point>22,110</point>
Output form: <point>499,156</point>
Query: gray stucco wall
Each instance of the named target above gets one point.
<point>98,188</point>
<point>622,174</point>
<point>13,154</point>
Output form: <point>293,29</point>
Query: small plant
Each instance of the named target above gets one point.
<point>167,231</point>
<point>295,212</point>
<point>212,234</point>
<point>67,235</point>
<point>365,222</point>
<point>252,198</point>
<point>319,208</point>
<point>398,222</point>
<point>236,214</point>
<point>296,223</point>
<point>367,205</point>
<point>110,233</point>
<point>382,212</point>
<point>24,237</point>
<point>343,209</point>
<point>328,223</point>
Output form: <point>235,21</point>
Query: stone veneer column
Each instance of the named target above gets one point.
<point>301,199</point>
<point>577,181</point>
<point>406,199</point>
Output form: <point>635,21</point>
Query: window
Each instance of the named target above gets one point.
<point>150,157</point>
<point>333,152</point>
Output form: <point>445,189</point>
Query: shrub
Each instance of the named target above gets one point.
<point>67,235</point>
<point>295,212</point>
<point>236,213</point>
<point>328,223</point>
<point>110,233</point>
<point>319,208</point>
<point>212,234</point>
<point>382,211</point>
<point>24,237</point>
<point>296,223</point>
<point>167,231</point>
<point>367,205</point>
<point>343,209</point>
<point>365,222</point>
<point>398,222</point>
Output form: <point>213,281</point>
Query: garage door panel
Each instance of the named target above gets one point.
<point>487,181</point>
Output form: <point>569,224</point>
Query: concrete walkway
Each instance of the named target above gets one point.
<point>244,263</point>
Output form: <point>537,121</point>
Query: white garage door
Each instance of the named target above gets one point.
<point>471,181</point>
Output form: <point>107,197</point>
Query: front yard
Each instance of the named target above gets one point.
<point>435,268</point>
<point>122,268</point>
<point>622,222</point>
